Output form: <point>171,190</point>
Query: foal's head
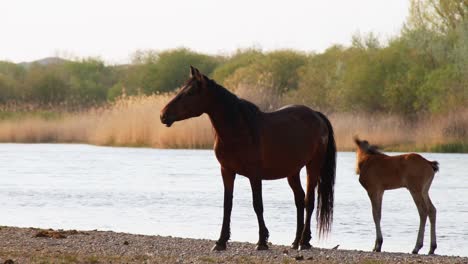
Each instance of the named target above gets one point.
<point>365,148</point>
<point>192,99</point>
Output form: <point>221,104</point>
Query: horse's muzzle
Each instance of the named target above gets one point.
<point>167,120</point>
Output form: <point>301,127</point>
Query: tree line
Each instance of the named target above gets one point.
<point>422,70</point>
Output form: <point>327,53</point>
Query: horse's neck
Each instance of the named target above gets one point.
<point>226,131</point>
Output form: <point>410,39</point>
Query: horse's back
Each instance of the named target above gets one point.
<point>291,137</point>
<point>293,124</point>
<point>292,115</point>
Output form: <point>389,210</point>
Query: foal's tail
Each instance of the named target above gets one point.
<point>326,183</point>
<point>434,165</point>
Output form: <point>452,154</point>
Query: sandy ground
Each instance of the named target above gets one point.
<point>32,245</point>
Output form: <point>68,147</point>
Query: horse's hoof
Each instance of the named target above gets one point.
<point>261,247</point>
<point>305,246</point>
<point>294,246</point>
<point>218,247</point>
<point>376,250</point>
<point>415,251</point>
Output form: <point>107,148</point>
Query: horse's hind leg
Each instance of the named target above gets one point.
<point>313,172</point>
<point>295,184</point>
<point>422,210</point>
<point>432,218</point>
<point>376,201</point>
<point>256,185</point>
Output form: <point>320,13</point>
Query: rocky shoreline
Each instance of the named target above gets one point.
<point>32,245</point>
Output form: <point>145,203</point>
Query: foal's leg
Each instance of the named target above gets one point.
<point>313,172</point>
<point>376,201</point>
<point>295,184</point>
<point>422,210</point>
<point>228,181</point>
<point>432,218</point>
<point>256,185</point>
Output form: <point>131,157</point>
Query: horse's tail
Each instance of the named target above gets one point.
<point>326,183</point>
<point>434,165</point>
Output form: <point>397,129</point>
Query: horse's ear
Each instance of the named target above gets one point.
<point>195,73</point>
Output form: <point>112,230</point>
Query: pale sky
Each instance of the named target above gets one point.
<point>114,29</point>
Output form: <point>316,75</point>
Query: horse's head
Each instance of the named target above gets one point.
<point>190,101</point>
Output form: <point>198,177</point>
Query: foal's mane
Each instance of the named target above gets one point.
<point>366,147</point>
<point>372,150</point>
<point>236,108</point>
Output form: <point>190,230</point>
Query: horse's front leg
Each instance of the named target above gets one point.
<point>228,181</point>
<point>376,201</point>
<point>256,185</point>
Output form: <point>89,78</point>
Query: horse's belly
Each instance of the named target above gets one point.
<point>250,167</point>
<point>279,173</point>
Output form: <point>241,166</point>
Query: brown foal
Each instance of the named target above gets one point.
<point>379,172</point>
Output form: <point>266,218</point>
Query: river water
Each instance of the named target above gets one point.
<point>180,193</point>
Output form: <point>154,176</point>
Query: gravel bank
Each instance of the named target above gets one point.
<point>31,245</point>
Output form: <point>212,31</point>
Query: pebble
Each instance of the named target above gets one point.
<point>102,247</point>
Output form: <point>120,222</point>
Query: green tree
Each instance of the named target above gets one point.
<point>242,58</point>
<point>88,79</point>
<point>437,15</point>
<point>167,70</point>
<point>267,79</point>
<point>49,89</point>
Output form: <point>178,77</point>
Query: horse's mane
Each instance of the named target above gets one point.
<point>236,107</point>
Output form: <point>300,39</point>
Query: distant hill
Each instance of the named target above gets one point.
<point>44,61</point>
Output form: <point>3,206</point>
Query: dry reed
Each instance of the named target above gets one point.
<point>131,121</point>
<point>134,121</point>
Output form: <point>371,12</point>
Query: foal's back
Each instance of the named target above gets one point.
<point>391,172</point>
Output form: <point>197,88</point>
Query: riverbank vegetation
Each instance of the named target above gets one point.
<point>409,92</point>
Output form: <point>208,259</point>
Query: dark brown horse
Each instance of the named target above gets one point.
<point>379,172</point>
<point>263,146</point>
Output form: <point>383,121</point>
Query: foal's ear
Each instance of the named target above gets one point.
<point>356,140</point>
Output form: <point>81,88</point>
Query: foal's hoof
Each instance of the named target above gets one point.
<point>305,246</point>
<point>261,247</point>
<point>218,247</point>
<point>433,248</point>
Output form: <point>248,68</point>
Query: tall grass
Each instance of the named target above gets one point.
<point>394,133</point>
<point>134,121</point>
<point>131,121</point>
